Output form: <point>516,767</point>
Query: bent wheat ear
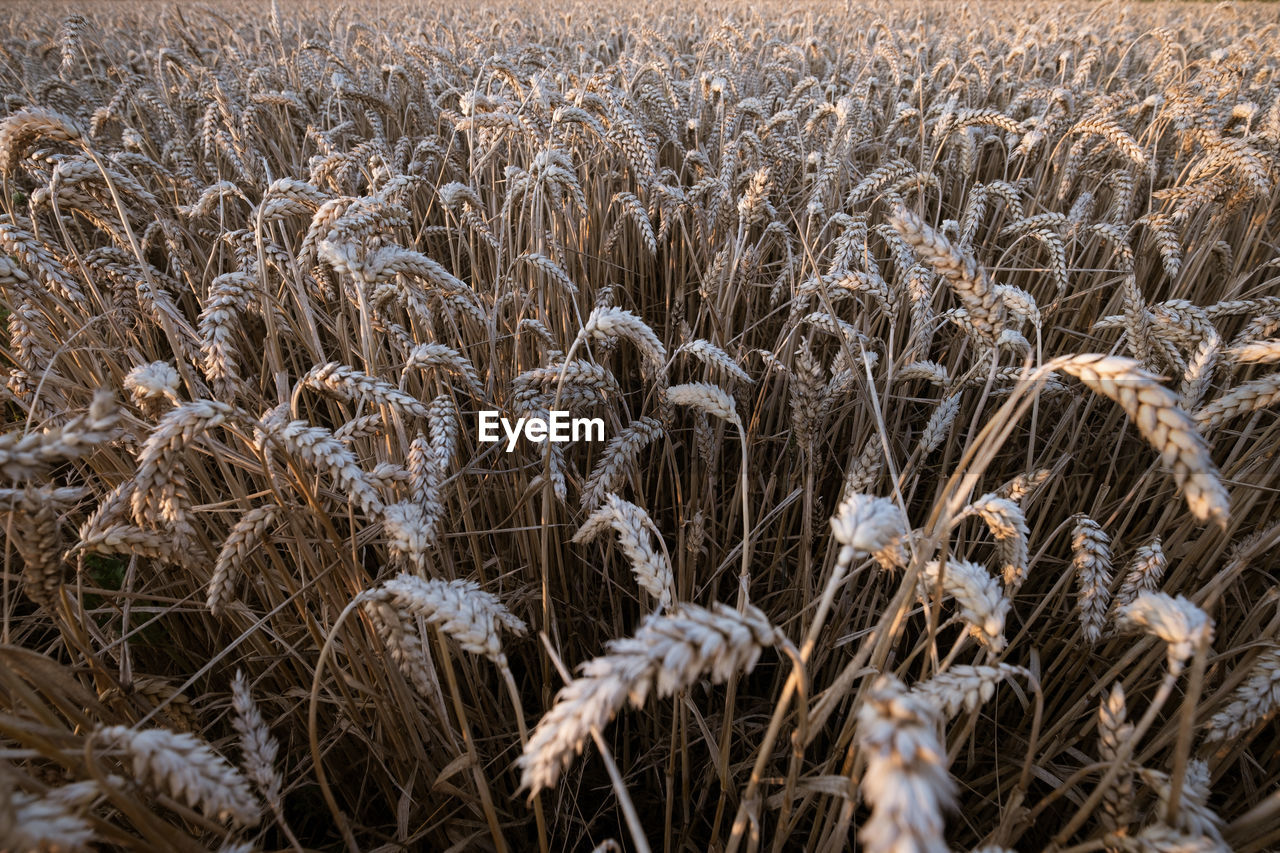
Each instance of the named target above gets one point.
<point>1173,619</point>
<point>160,482</point>
<point>459,608</point>
<point>982,604</point>
<point>26,455</point>
<point>348,383</point>
<point>711,355</point>
<point>906,780</point>
<point>670,652</point>
<point>967,278</point>
<point>634,527</point>
<point>318,447</point>
<point>20,130</point>
<point>709,398</point>
<point>448,359</point>
<point>1008,527</point>
<point>1171,431</point>
<point>187,769</point>
<point>606,323</point>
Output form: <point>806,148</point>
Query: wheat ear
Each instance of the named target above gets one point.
<point>159,491</point>
<point>1143,574</point>
<point>670,652</point>
<point>1113,731</point>
<point>246,535</point>
<point>982,604</point>
<point>967,278</point>
<point>459,608</point>
<point>258,748</point>
<point>1240,400</point>
<point>869,525</point>
<point>1008,526</point>
<point>1175,620</point>
<point>187,769</point>
<point>1252,702</point>
<point>41,824</point>
<point>619,454</point>
<point>965,687</point>
<point>1091,562</point>
<point>1171,431</point>
<point>24,455</point>
<point>634,528</point>
<point>906,780</point>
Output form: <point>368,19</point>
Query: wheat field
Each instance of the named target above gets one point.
<point>935,347</point>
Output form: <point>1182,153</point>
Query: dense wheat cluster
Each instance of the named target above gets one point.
<point>936,347</point>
